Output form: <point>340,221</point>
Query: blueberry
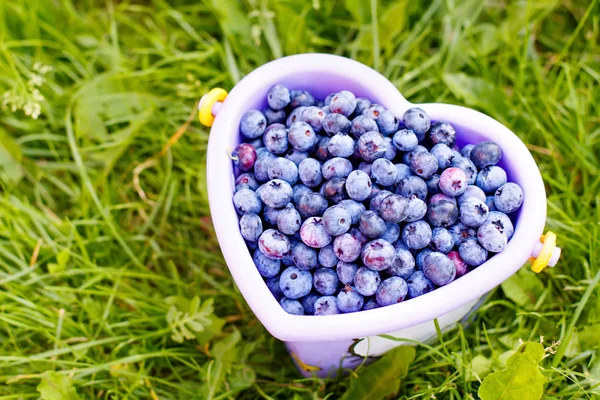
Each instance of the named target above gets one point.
<point>442,213</point>
<point>295,283</point>
<point>460,266</point>
<point>403,265</point>
<point>251,227</point>
<point>405,140</point>
<point>261,166</point>
<point>248,179</point>
<point>418,121</point>
<point>298,191</point>
<point>336,123</point>
<point>336,220</point>
<point>418,284</point>
<point>416,209</point>
<point>346,271</point>
<point>370,304</point>
<point>349,300</point>
<point>391,291</point>
<point>407,157</point>
<point>276,193</point>
<point>301,136</point>
<point>290,306</point>
<point>438,268</point>
<point>275,116</point>
<point>374,111</point>
<point>383,172</point>
<point>502,221</point>
<point>492,237</point>
<point>453,182</point>
<point>387,123</point>
<point>327,257</point>
<point>320,152</point>
<point>341,145</point>
<point>311,205</point>
<point>466,150</point>
<point>358,185</point>
<point>270,214</point>
<point>336,167</point>
<point>489,201</point>
<point>288,259</point>
<point>308,303</point>
<point>392,233</point>
<point>326,305</point>
<point>246,201</point>
<point>296,156</point>
<point>433,184</point>
<point>353,207</point>
<point>335,190</point>
<point>361,125</point>
<point>402,171</point>
<point>313,233</point>
<point>244,156</point>
<point>273,285</point>
<point>390,153</point>
<point>278,97</point>
<point>304,257</point>
<point>253,124</point>
<point>378,255</point>
<point>301,98</point>
<point>274,244</point>
<point>491,178</point>
<point>416,235</point>
<point>394,208</point>
<point>347,247</point>
<point>442,197</point>
<point>371,224</point>
<point>313,116</point>
<point>412,186</point>
<point>468,168</point>
<point>275,139</point>
<point>371,146</point>
<point>284,169</point>
<point>377,198</point>
<point>441,240</point>
<point>508,197</point>
<point>343,103</point>
<point>361,105</point>
<point>443,154</point>
<point>295,116</point>
<point>266,267</point>
<point>472,253</point>
<point>442,132</point>
<point>485,154</point>
<point>473,212</point>
<point>325,281</point>
<point>309,172</point>
<point>471,192</point>
<point>423,164</point>
<point>328,98</point>
<point>420,257</point>
<point>460,232</point>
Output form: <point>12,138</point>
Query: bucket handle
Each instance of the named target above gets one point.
<point>210,104</point>
<point>545,253</point>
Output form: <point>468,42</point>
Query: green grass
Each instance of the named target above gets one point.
<point>90,264</point>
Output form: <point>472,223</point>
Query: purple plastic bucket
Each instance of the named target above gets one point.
<point>320,345</point>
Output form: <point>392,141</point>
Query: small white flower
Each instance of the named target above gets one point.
<point>35,80</point>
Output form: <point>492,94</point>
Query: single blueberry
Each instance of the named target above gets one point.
<point>349,300</point>
<point>442,213</point>
<point>418,284</point>
<point>370,304</point>
<point>304,257</point>
<point>387,123</point>
<point>460,266</point>
<point>394,208</point>
<point>418,121</point>
<point>301,98</point>
<point>295,116</point>
<point>284,169</point>
<point>274,244</point>
<point>403,265</point>
<point>313,233</point>
<point>442,132</point>
<point>420,257</point>
<point>466,150</point>
<point>371,224</point>
<point>443,154</point>
<point>266,267</point>
<point>291,306</point>
<point>251,227</point>
<point>343,103</point>
<point>246,201</point>
<point>416,209</point>
<point>275,116</point>
<point>405,140</point>
<point>309,172</point>
<point>371,146</point>
<point>308,303</point>
<point>438,268</point>
<point>325,281</point>
<point>347,247</point>
<point>472,253</point>
<point>247,178</point>
<point>485,154</point>
<point>276,193</point>
<point>502,221</point>
<point>335,190</point>
<point>492,237</point>
<point>320,152</point>
<point>346,271</point>
<point>489,201</point>
<point>392,233</point>
<point>383,172</point>
<point>341,145</point>
<point>336,220</point>
<point>442,197</point>
<point>335,123</point>
<point>327,257</point>
<point>423,164</point>
<point>473,212</point>
<point>402,171</point>
<point>301,136</point>
<point>295,283</point>
<point>373,111</point>
<point>361,125</point>
<point>508,197</point>
<point>490,179</point>
<point>336,167</point>
<point>460,232</point>
<point>468,168</point>
<point>433,184</point>
<point>471,192</point>
<point>453,182</point>
<point>273,285</point>
<point>354,208</point>
<point>361,105</point>
<point>326,305</point>
<point>378,255</point>
<point>253,124</point>
<point>377,198</point>
<point>270,214</point>
<point>244,156</point>
<point>416,235</point>
<point>313,116</point>
<point>390,153</point>
<point>407,157</point>
<point>412,186</point>
<point>391,291</point>
<point>311,205</point>
<point>298,191</point>
<point>261,166</point>
<point>296,156</point>
<point>441,240</point>
<point>278,97</point>
<point>275,139</point>
<point>358,185</point>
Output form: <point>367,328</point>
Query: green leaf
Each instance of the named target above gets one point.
<point>475,91</point>
<point>211,331</point>
<point>10,159</point>
<point>480,367</point>
<point>225,353</point>
<point>55,386</point>
<point>589,337</point>
<point>521,380</point>
<point>391,22</point>
<point>360,10</point>
<point>524,287</point>
<point>382,378</point>
<point>185,325</point>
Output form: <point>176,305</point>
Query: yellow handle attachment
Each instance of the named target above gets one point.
<point>206,105</point>
<point>549,244</point>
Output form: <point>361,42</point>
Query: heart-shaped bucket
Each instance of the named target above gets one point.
<point>322,344</point>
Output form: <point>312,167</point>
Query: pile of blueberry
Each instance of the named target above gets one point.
<point>345,207</point>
